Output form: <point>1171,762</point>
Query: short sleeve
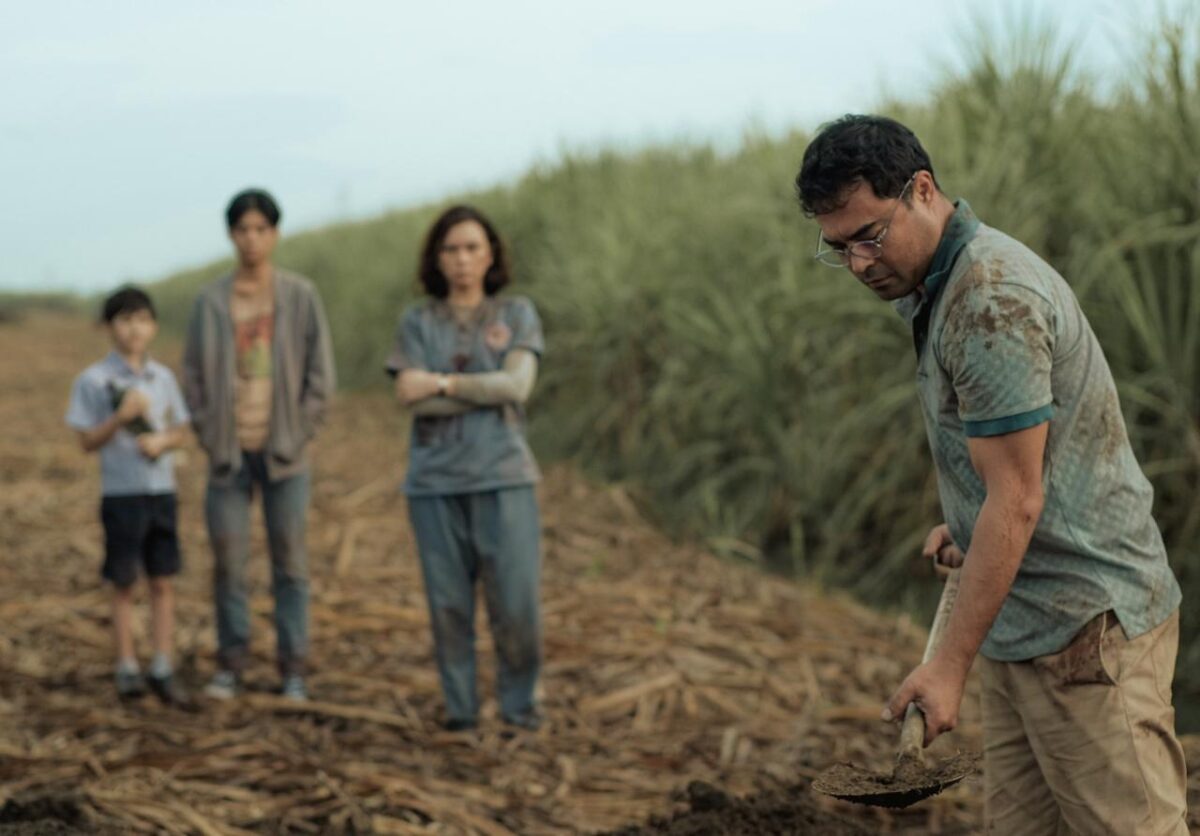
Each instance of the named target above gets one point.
<point>527,327</point>
<point>89,405</point>
<point>997,347</point>
<point>408,347</point>
<point>179,413</point>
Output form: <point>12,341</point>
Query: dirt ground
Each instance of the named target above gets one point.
<point>683,694</point>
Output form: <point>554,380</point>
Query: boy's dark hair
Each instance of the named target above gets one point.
<point>248,200</point>
<point>428,272</point>
<point>127,300</point>
<point>872,149</point>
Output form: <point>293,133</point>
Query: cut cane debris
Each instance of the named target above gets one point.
<point>668,667</point>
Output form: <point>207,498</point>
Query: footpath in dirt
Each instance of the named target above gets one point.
<point>683,694</point>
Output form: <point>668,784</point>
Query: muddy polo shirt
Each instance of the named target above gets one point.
<point>1003,345</point>
<point>480,450</point>
<point>124,471</point>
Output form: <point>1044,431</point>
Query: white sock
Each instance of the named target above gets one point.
<point>128,665</point>
<point>160,666</point>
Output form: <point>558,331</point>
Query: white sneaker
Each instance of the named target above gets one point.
<point>223,686</point>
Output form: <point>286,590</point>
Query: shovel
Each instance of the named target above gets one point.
<point>912,779</point>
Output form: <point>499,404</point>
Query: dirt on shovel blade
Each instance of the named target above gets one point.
<point>910,783</point>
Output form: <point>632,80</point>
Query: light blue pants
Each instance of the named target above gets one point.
<point>493,536</point>
<point>227,513</point>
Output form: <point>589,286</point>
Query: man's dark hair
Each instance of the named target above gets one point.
<point>428,272</point>
<point>251,199</point>
<point>127,300</point>
<point>871,149</point>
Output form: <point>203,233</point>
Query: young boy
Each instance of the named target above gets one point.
<point>129,407</point>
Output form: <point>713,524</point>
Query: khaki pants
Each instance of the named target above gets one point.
<point>1083,740</point>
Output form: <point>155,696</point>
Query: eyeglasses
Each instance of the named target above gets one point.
<point>872,248</point>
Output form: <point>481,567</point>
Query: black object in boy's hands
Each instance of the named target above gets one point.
<point>138,425</point>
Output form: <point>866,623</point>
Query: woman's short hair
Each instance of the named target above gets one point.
<point>428,272</point>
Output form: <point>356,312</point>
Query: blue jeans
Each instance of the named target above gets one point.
<point>493,536</point>
<point>227,513</point>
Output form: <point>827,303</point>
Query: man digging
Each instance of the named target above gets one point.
<point>1066,595</point>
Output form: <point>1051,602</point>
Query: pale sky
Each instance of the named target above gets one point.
<point>125,127</point>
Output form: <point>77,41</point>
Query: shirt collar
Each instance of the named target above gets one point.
<point>917,306</point>
<point>959,231</point>
<point>119,363</point>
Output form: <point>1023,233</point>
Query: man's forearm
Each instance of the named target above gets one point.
<point>998,544</point>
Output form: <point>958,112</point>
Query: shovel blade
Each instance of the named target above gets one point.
<point>902,788</point>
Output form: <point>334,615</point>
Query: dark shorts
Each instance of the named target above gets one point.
<point>139,531</point>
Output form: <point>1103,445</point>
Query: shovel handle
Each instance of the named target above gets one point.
<point>912,733</point>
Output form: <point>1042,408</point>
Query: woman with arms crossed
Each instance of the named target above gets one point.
<point>465,361</point>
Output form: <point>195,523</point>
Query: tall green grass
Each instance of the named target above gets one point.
<point>765,404</point>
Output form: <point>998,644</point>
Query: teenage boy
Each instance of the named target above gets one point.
<point>258,374</point>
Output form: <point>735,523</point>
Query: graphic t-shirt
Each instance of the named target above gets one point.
<point>253,333</point>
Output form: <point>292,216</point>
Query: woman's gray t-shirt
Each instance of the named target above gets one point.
<point>480,450</point>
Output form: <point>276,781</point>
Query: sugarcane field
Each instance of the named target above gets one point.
<point>600,419</point>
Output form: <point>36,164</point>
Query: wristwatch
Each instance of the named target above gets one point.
<point>443,385</point>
